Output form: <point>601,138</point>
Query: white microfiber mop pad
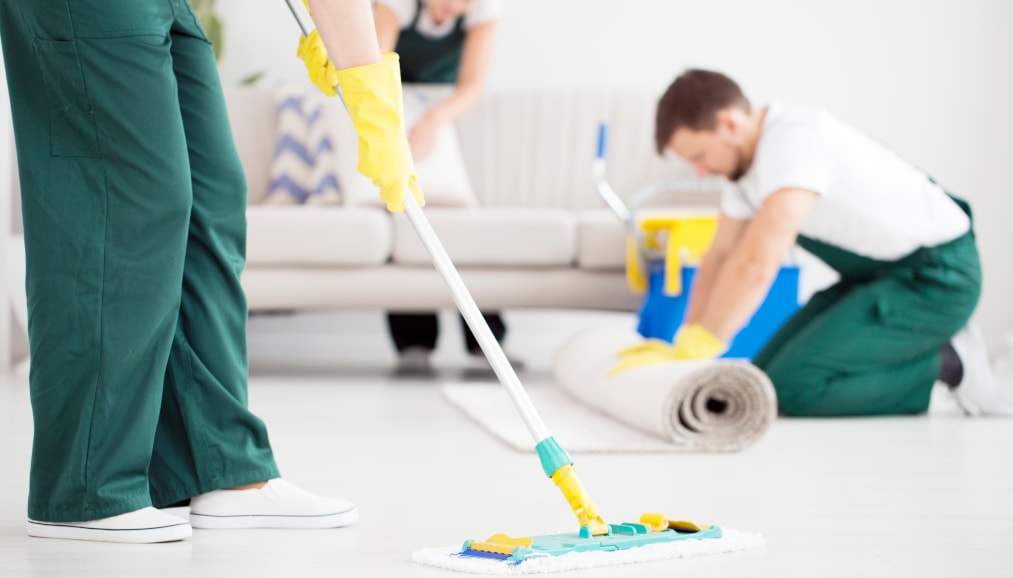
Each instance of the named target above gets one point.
<point>449,558</point>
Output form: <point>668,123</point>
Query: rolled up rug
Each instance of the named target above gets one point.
<point>701,406</point>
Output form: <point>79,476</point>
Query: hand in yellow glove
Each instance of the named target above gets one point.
<point>320,68</point>
<point>649,352</point>
<point>692,342</point>
<point>372,94</point>
<point>695,342</point>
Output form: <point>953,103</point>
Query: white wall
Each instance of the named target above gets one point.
<point>932,78</point>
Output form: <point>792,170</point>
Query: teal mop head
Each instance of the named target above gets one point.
<point>653,538</point>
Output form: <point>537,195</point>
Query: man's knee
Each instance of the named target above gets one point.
<point>800,390</point>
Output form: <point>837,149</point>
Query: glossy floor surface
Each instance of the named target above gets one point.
<point>925,496</point>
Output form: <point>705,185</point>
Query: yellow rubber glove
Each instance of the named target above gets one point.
<point>372,94</point>
<point>321,70</point>
<point>695,342</point>
<point>649,352</point>
<point>692,342</point>
<point>636,273</point>
<point>650,346</point>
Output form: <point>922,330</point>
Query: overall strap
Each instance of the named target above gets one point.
<point>419,7</point>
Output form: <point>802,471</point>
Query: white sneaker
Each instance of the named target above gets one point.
<point>413,361</point>
<point>144,526</point>
<point>978,393</point>
<point>279,504</point>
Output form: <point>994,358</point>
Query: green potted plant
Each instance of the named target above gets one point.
<point>205,10</point>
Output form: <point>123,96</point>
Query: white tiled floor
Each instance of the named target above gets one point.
<point>926,496</point>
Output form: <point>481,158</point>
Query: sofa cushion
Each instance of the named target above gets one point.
<point>601,240</point>
<point>322,236</point>
<point>492,237</point>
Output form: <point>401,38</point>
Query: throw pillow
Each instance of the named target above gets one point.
<point>304,168</point>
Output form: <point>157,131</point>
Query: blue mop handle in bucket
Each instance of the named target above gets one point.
<point>602,135</point>
<point>604,188</point>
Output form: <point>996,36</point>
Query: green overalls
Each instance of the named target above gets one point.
<point>869,345</point>
<point>430,60</point>
<point>134,216</point>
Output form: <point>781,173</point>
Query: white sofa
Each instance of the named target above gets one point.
<point>541,236</point>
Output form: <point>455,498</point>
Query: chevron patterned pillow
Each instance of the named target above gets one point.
<point>305,166</point>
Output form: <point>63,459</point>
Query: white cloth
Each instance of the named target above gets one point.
<point>730,541</point>
<point>480,12</point>
<point>871,202</point>
<point>442,174</point>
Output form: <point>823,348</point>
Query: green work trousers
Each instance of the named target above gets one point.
<point>134,217</point>
<point>869,345</point>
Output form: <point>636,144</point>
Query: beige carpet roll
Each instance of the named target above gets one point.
<point>701,406</point>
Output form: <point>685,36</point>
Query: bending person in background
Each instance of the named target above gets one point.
<point>896,322</point>
<point>134,209</point>
<point>440,42</point>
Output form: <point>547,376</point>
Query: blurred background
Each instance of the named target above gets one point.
<point>931,78</point>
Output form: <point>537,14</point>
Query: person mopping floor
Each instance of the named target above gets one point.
<point>134,217</point>
<point>448,43</point>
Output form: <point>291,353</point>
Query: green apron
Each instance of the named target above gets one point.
<point>430,60</point>
<point>869,345</point>
<point>134,217</point>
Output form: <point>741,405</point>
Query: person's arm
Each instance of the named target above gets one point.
<point>475,60</point>
<point>343,51</point>
<point>725,238</point>
<point>388,29</point>
<point>471,76</point>
<point>347,31</point>
<point>749,269</point>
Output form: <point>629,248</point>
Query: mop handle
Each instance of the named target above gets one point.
<point>465,303</point>
<point>556,463</point>
<point>298,17</point>
<point>469,310</point>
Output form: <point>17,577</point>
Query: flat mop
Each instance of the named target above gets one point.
<point>596,543</point>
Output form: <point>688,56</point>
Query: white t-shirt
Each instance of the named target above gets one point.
<point>871,202</point>
<point>481,11</point>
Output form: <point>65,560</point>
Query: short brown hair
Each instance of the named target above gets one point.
<point>692,101</point>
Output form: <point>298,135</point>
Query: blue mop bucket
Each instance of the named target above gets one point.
<point>661,315</point>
